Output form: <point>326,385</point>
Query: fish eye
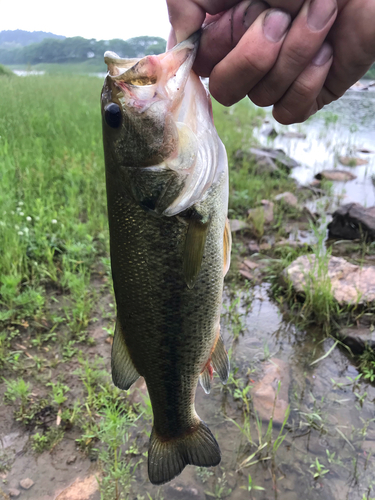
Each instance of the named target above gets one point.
<point>112,115</point>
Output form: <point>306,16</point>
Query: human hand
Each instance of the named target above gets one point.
<point>297,59</point>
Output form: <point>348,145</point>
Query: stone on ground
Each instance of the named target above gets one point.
<point>288,198</point>
<point>26,483</point>
<point>350,284</point>
<point>80,489</point>
<point>352,221</point>
<point>265,390</point>
<point>351,161</point>
<point>336,175</point>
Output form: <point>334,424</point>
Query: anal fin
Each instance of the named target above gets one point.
<point>220,360</point>
<point>194,247</point>
<point>124,373</point>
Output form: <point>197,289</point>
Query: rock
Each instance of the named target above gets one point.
<point>246,274</point>
<point>358,338</point>
<point>365,150</point>
<point>184,488</point>
<point>270,132</point>
<point>266,165</point>
<point>250,264</point>
<point>336,175</point>
<point>291,244</point>
<point>278,155</point>
<point>293,135</point>
<point>80,489</point>
<point>238,225</point>
<point>71,460</point>
<point>109,340</point>
<point>26,483</point>
<point>352,221</point>
<point>254,247</point>
<point>265,246</point>
<point>288,198</point>
<point>349,161</point>
<point>14,493</point>
<point>350,284</point>
<point>264,391</point>
<point>267,209</point>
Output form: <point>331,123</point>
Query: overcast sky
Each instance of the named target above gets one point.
<point>104,19</point>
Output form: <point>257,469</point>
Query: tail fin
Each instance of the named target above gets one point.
<point>167,459</point>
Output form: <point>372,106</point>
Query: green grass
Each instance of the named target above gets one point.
<point>5,71</point>
<point>53,214</point>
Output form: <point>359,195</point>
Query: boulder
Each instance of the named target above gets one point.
<point>288,198</point>
<point>350,284</point>
<point>278,155</point>
<point>358,338</point>
<point>336,175</point>
<point>351,161</point>
<point>238,225</point>
<point>267,209</point>
<point>352,221</point>
<point>264,391</point>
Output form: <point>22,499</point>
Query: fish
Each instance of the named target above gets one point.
<point>170,240</point>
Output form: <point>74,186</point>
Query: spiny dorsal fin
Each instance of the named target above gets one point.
<point>220,360</point>
<point>227,246</point>
<point>167,458</point>
<point>194,247</point>
<point>124,373</point>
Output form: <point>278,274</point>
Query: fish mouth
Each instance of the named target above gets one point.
<point>146,80</point>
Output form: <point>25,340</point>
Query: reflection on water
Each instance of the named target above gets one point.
<point>331,426</point>
<point>340,129</point>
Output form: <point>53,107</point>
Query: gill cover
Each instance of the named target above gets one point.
<point>157,117</point>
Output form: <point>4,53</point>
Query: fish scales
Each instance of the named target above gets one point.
<point>168,292</point>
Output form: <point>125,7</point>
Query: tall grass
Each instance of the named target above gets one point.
<point>52,203</point>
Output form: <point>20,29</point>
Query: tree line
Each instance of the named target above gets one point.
<point>78,49</point>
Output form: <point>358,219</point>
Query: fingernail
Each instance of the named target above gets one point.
<point>253,12</point>
<point>276,24</point>
<point>320,12</point>
<point>324,55</point>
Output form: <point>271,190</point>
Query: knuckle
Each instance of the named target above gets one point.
<point>263,95</point>
<point>298,56</point>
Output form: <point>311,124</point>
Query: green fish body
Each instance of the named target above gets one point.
<point>167,190</point>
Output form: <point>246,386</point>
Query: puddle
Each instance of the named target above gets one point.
<point>340,129</point>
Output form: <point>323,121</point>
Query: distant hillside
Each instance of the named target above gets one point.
<point>77,49</point>
<point>22,38</point>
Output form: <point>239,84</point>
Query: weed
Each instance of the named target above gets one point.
<point>18,390</point>
<point>319,469</point>
<point>47,440</point>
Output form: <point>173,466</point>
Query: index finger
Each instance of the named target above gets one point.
<point>187,16</point>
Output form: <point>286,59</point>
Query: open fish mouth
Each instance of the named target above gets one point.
<point>149,79</point>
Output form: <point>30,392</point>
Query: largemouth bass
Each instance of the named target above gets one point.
<point>167,189</point>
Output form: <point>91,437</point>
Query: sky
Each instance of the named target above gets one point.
<point>103,19</point>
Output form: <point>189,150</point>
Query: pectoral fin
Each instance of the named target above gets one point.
<point>227,246</point>
<point>220,360</point>
<point>124,373</point>
<point>205,378</point>
<point>194,247</point>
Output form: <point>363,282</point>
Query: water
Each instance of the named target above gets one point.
<point>21,72</point>
<point>340,129</point>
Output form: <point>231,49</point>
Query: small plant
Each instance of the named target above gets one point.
<point>47,440</point>
<point>18,390</point>
<point>319,469</point>
<point>118,471</point>
<point>251,486</point>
